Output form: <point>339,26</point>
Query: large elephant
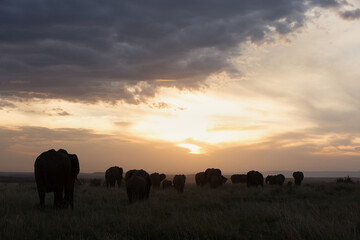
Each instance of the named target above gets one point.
<point>200,179</point>
<point>298,177</point>
<point>179,182</point>
<point>112,175</point>
<point>275,179</point>
<point>56,171</point>
<point>156,179</point>
<point>138,185</point>
<point>254,179</point>
<point>213,177</point>
<point>166,184</point>
<point>238,178</point>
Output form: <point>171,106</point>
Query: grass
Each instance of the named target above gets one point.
<point>312,211</point>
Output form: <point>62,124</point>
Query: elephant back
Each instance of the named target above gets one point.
<point>136,174</point>
<point>179,182</point>
<point>136,188</point>
<point>166,184</point>
<point>254,178</point>
<point>156,179</point>
<point>213,177</point>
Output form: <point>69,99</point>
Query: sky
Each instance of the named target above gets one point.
<point>178,87</point>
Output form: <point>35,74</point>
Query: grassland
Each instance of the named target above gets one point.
<point>312,211</point>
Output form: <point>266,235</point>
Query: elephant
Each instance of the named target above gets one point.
<point>275,179</point>
<point>179,182</point>
<point>223,180</point>
<point>213,177</point>
<point>56,171</point>
<point>112,175</point>
<point>156,179</point>
<point>238,178</point>
<point>298,176</point>
<point>200,179</point>
<point>138,185</point>
<point>254,179</point>
<point>166,184</point>
<point>289,183</point>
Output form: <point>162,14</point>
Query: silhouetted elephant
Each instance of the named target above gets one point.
<point>275,179</point>
<point>166,184</point>
<point>289,183</point>
<point>156,179</point>
<point>179,182</point>
<point>298,176</point>
<point>200,179</point>
<point>223,180</point>
<point>112,175</point>
<point>138,185</point>
<point>213,177</point>
<point>254,178</point>
<point>56,171</point>
<point>238,178</point>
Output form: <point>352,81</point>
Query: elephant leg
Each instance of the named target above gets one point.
<point>41,193</point>
<point>71,196</point>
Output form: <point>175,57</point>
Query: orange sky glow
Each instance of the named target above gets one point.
<point>295,106</point>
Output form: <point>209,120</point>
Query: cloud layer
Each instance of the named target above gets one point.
<point>87,50</point>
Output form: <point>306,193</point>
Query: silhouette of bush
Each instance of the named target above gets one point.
<point>344,180</point>
<point>95,182</point>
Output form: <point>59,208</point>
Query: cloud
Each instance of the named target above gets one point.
<point>88,50</point>
<point>59,112</point>
<point>6,104</point>
<point>350,14</point>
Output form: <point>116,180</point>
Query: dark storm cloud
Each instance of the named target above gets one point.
<point>87,50</point>
<point>351,14</point>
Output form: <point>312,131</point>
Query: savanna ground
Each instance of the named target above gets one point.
<point>312,211</point>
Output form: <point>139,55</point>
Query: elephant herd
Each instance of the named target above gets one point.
<point>56,171</point>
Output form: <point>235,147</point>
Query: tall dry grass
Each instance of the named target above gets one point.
<point>313,211</point>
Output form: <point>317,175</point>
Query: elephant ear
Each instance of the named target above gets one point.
<point>129,174</point>
<point>75,166</point>
<point>219,171</point>
<point>162,177</point>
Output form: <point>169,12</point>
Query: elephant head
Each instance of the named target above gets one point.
<point>223,179</point>
<point>267,179</point>
<point>298,177</point>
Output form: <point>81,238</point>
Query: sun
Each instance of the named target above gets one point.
<point>194,149</point>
